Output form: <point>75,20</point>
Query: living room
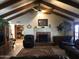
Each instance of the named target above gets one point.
<point>50,24</point>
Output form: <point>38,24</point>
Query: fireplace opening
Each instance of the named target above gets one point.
<point>43,37</point>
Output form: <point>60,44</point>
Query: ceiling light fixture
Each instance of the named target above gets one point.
<point>41,8</point>
<point>37,8</point>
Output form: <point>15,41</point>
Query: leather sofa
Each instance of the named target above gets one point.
<point>72,50</point>
<point>61,41</point>
<point>28,41</point>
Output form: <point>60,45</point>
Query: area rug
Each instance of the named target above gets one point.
<point>41,57</point>
<point>34,57</point>
<point>42,51</point>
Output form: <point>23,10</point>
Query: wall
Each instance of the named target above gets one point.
<point>52,19</point>
<point>11,30</point>
<point>32,18</point>
<point>70,32</point>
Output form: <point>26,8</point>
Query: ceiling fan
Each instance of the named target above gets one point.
<point>41,8</point>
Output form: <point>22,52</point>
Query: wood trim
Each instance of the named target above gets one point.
<point>38,1</point>
<point>60,9</point>
<point>8,3</point>
<point>70,2</point>
<point>16,10</point>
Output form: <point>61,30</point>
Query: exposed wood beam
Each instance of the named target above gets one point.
<point>70,2</point>
<point>60,9</point>
<point>38,1</point>
<point>8,3</point>
<point>57,13</point>
<point>18,15</point>
<point>17,9</point>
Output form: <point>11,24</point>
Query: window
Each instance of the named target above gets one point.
<point>76,31</point>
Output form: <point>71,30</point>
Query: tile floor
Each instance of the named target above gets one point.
<point>19,45</point>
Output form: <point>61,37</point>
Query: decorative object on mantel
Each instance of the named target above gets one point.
<point>42,22</point>
<point>42,27</point>
<point>35,27</point>
<point>29,26</point>
<point>49,25</point>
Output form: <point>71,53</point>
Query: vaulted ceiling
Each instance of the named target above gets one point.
<point>10,9</point>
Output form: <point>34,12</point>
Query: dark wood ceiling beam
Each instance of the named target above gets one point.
<point>18,15</point>
<point>8,3</point>
<point>38,1</point>
<point>70,2</point>
<point>16,10</point>
<point>59,14</point>
<point>60,9</point>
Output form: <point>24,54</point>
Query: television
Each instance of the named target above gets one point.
<point>42,22</point>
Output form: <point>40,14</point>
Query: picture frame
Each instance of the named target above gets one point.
<point>42,22</point>
<point>29,26</point>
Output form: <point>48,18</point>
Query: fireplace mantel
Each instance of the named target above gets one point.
<point>46,29</point>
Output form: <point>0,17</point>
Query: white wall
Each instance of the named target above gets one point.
<point>52,19</point>
<point>32,18</point>
<point>11,30</point>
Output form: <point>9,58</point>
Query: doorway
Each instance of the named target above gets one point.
<point>18,31</point>
<point>17,39</point>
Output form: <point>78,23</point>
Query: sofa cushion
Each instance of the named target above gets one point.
<point>77,43</point>
<point>67,38</point>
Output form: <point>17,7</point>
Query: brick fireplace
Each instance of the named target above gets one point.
<point>43,37</point>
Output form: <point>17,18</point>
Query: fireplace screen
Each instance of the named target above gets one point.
<point>43,37</point>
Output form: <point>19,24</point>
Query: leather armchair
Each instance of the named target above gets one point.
<point>28,41</point>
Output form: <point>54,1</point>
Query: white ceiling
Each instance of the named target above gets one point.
<point>77,1</point>
<point>2,1</point>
